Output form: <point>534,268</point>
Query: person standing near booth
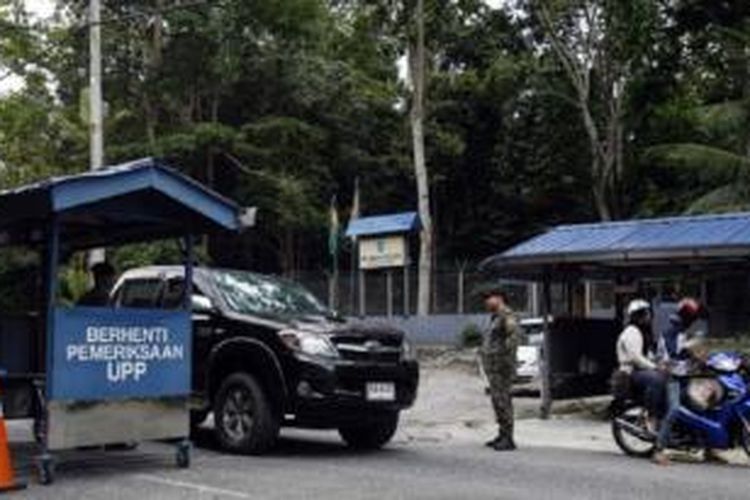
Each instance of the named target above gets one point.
<point>104,280</point>
<point>499,359</point>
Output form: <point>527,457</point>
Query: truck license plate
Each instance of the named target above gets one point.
<point>381,391</point>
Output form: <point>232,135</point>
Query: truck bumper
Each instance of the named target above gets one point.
<point>332,394</point>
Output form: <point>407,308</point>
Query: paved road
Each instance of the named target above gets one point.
<point>317,466</point>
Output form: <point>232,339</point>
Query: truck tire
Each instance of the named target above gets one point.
<point>197,417</point>
<point>371,435</point>
<point>244,418</point>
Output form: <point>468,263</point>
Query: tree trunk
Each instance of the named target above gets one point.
<point>153,64</point>
<point>417,70</point>
<point>599,190</point>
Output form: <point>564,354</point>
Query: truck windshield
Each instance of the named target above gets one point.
<point>250,293</point>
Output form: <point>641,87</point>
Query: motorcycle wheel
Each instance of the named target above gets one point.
<point>630,432</point>
<point>745,438</point>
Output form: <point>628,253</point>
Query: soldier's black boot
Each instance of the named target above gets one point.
<point>491,443</point>
<point>504,444</point>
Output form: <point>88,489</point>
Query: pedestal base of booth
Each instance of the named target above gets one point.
<point>77,424</point>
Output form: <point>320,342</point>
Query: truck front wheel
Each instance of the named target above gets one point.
<point>245,420</point>
<point>371,435</point>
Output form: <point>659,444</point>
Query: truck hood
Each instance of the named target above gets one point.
<point>351,328</point>
<point>340,330</point>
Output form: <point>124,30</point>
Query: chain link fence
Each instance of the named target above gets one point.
<point>394,292</point>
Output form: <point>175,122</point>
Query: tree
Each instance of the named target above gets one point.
<point>709,113</point>
<point>600,45</point>
<point>417,71</point>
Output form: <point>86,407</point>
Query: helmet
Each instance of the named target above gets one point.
<point>637,305</point>
<point>689,309</point>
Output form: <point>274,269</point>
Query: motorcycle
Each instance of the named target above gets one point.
<point>714,411</point>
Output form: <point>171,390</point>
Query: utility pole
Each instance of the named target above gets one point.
<point>95,102</point>
<point>95,85</point>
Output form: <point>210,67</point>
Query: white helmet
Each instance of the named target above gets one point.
<point>637,305</point>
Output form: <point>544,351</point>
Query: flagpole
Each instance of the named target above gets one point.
<point>354,214</point>
<point>333,249</point>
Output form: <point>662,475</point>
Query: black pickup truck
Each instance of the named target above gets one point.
<point>267,353</point>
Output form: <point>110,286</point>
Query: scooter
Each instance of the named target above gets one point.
<point>714,411</point>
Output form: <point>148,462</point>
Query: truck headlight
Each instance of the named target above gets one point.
<point>312,344</point>
<point>408,351</point>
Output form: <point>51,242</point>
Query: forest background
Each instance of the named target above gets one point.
<point>537,113</point>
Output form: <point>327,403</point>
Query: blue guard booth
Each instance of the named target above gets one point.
<point>92,376</point>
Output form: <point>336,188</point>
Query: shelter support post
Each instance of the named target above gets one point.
<point>362,298</point>
<point>389,292</point>
<point>406,290</point>
<point>51,265</point>
<point>534,300</point>
<point>189,263</point>
<point>546,355</point>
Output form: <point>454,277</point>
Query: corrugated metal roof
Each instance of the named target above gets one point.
<point>384,224</point>
<point>143,198</point>
<point>664,238</point>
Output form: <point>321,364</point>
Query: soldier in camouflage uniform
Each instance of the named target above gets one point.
<point>499,360</point>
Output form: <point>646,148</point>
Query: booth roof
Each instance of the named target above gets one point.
<point>135,201</point>
<point>404,222</point>
<point>698,242</point>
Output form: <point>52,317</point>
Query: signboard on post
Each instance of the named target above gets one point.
<point>105,354</point>
<point>382,243</point>
<point>382,252</point>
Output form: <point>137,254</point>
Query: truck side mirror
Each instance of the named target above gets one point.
<point>201,304</point>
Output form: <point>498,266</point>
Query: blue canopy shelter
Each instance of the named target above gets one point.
<point>638,247</point>
<point>625,253</point>
<point>98,375</point>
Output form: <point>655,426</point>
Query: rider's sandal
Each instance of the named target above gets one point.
<point>661,458</point>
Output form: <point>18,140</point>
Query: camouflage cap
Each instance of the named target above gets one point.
<point>488,289</point>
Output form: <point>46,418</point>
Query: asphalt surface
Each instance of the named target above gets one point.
<point>316,465</point>
<point>438,453</point>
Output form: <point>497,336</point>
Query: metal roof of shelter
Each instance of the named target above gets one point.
<point>404,222</point>
<point>135,201</point>
<point>638,246</point>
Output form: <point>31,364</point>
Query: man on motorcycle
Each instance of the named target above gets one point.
<point>637,357</point>
<point>675,350</point>
<point>675,338</point>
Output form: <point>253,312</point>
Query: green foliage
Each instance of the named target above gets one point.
<point>19,280</point>
<point>281,104</point>
<point>74,280</point>
<point>164,252</point>
<point>471,336</point>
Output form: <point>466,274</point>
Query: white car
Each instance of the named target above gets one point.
<point>527,356</point>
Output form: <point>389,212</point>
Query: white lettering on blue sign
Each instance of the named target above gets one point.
<point>127,350</point>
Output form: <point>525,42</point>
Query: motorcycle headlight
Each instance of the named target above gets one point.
<point>408,352</point>
<point>313,344</point>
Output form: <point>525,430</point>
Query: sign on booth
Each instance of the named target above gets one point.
<point>120,353</point>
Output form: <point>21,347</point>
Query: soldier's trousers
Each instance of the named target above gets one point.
<point>502,402</point>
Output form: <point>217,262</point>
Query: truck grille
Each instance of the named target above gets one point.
<point>377,350</point>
